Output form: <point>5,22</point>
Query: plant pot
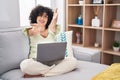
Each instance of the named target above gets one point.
<point>116,49</point>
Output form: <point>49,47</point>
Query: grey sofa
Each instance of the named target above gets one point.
<point>14,47</point>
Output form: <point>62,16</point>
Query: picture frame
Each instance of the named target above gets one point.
<point>97,1</point>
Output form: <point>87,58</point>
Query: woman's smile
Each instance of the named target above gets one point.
<point>41,21</point>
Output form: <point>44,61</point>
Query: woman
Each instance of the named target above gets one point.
<point>44,29</point>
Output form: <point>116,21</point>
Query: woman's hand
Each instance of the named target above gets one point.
<point>54,21</point>
<point>55,15</point>
<point>35,29</point>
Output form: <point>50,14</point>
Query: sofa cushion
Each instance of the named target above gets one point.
<point>85,71</point>
<point>14,47</point>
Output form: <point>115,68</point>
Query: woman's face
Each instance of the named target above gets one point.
<point>42,19</point>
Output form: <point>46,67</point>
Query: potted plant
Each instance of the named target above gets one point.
<point>116,46</point>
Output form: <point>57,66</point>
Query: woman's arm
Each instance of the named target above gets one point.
<point>52,25</point>
<point>34,29</point>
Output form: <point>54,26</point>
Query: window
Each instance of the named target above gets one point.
<point>44,2</point>
<point>25,10</point>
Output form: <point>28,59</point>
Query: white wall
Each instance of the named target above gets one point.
<point>9,13</point>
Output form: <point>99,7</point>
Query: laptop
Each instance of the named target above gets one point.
<point>51,51</point>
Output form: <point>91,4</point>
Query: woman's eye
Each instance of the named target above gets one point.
<point>46,16</point>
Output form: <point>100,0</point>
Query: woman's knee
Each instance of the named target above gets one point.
<point>72,61</point>
<point>25,64</point>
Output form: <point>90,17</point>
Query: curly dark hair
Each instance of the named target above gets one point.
<point>39,10</point>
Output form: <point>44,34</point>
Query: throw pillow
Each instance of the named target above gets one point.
<point>111,73</point>
<point>66,37</point>
<point>62,38</point>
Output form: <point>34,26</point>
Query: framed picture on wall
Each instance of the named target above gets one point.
<point>97,1</point>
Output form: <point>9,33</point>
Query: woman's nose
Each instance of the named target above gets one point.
<point>42,17</point>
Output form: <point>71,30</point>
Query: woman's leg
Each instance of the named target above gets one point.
<point>66,65</point>
<point>32,67</point>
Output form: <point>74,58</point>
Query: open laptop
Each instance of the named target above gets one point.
<point>51,51</point>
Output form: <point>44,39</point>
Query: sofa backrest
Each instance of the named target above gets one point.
<point>14,47</point>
